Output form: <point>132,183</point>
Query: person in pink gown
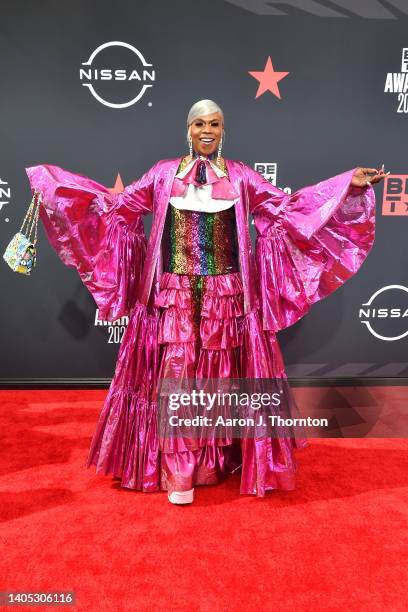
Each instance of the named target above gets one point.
<point>202,303</point>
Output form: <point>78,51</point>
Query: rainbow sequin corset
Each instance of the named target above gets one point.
<point>200,242</point>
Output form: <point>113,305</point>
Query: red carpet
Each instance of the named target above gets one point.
<point>339,542</point>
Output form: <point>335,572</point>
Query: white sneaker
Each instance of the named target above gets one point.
<point>181,497</point>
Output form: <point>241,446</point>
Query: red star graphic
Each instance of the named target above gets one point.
<point>118,186</point>
<point>268,79</point>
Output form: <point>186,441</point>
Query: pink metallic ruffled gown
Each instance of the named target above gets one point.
<point>200,303</point>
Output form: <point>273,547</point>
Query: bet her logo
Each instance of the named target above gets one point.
<point>395,195</point>
<point>117,70</point>
<point>269,170</point>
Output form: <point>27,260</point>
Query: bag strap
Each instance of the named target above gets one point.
<point>35,220</point>
<point>31,217</point>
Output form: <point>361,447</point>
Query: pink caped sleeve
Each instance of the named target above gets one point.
<point>308,242</point>
<point>99,233</point>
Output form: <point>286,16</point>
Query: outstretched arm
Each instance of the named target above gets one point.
<point>308,242</point>
<point>53,181</point>
<point>99,233</point>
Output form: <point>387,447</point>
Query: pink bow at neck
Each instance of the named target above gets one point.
<point>221,186</point>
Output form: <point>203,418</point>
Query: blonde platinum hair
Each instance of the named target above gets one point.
<point>202,108</point>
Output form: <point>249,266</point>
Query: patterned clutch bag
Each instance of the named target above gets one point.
<point>21,253</point>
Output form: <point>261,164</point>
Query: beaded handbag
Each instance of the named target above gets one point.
<point>21,253</point>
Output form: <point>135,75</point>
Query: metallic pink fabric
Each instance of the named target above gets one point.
<point>98,233</point>
<point>308,244</point>
<point>227,344</point>
<point>221,315</point>
<point>209,348</point>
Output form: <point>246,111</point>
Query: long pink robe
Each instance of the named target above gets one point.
<point>308,244</point>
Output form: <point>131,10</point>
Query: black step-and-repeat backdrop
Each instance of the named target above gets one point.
<point>103,89</point>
